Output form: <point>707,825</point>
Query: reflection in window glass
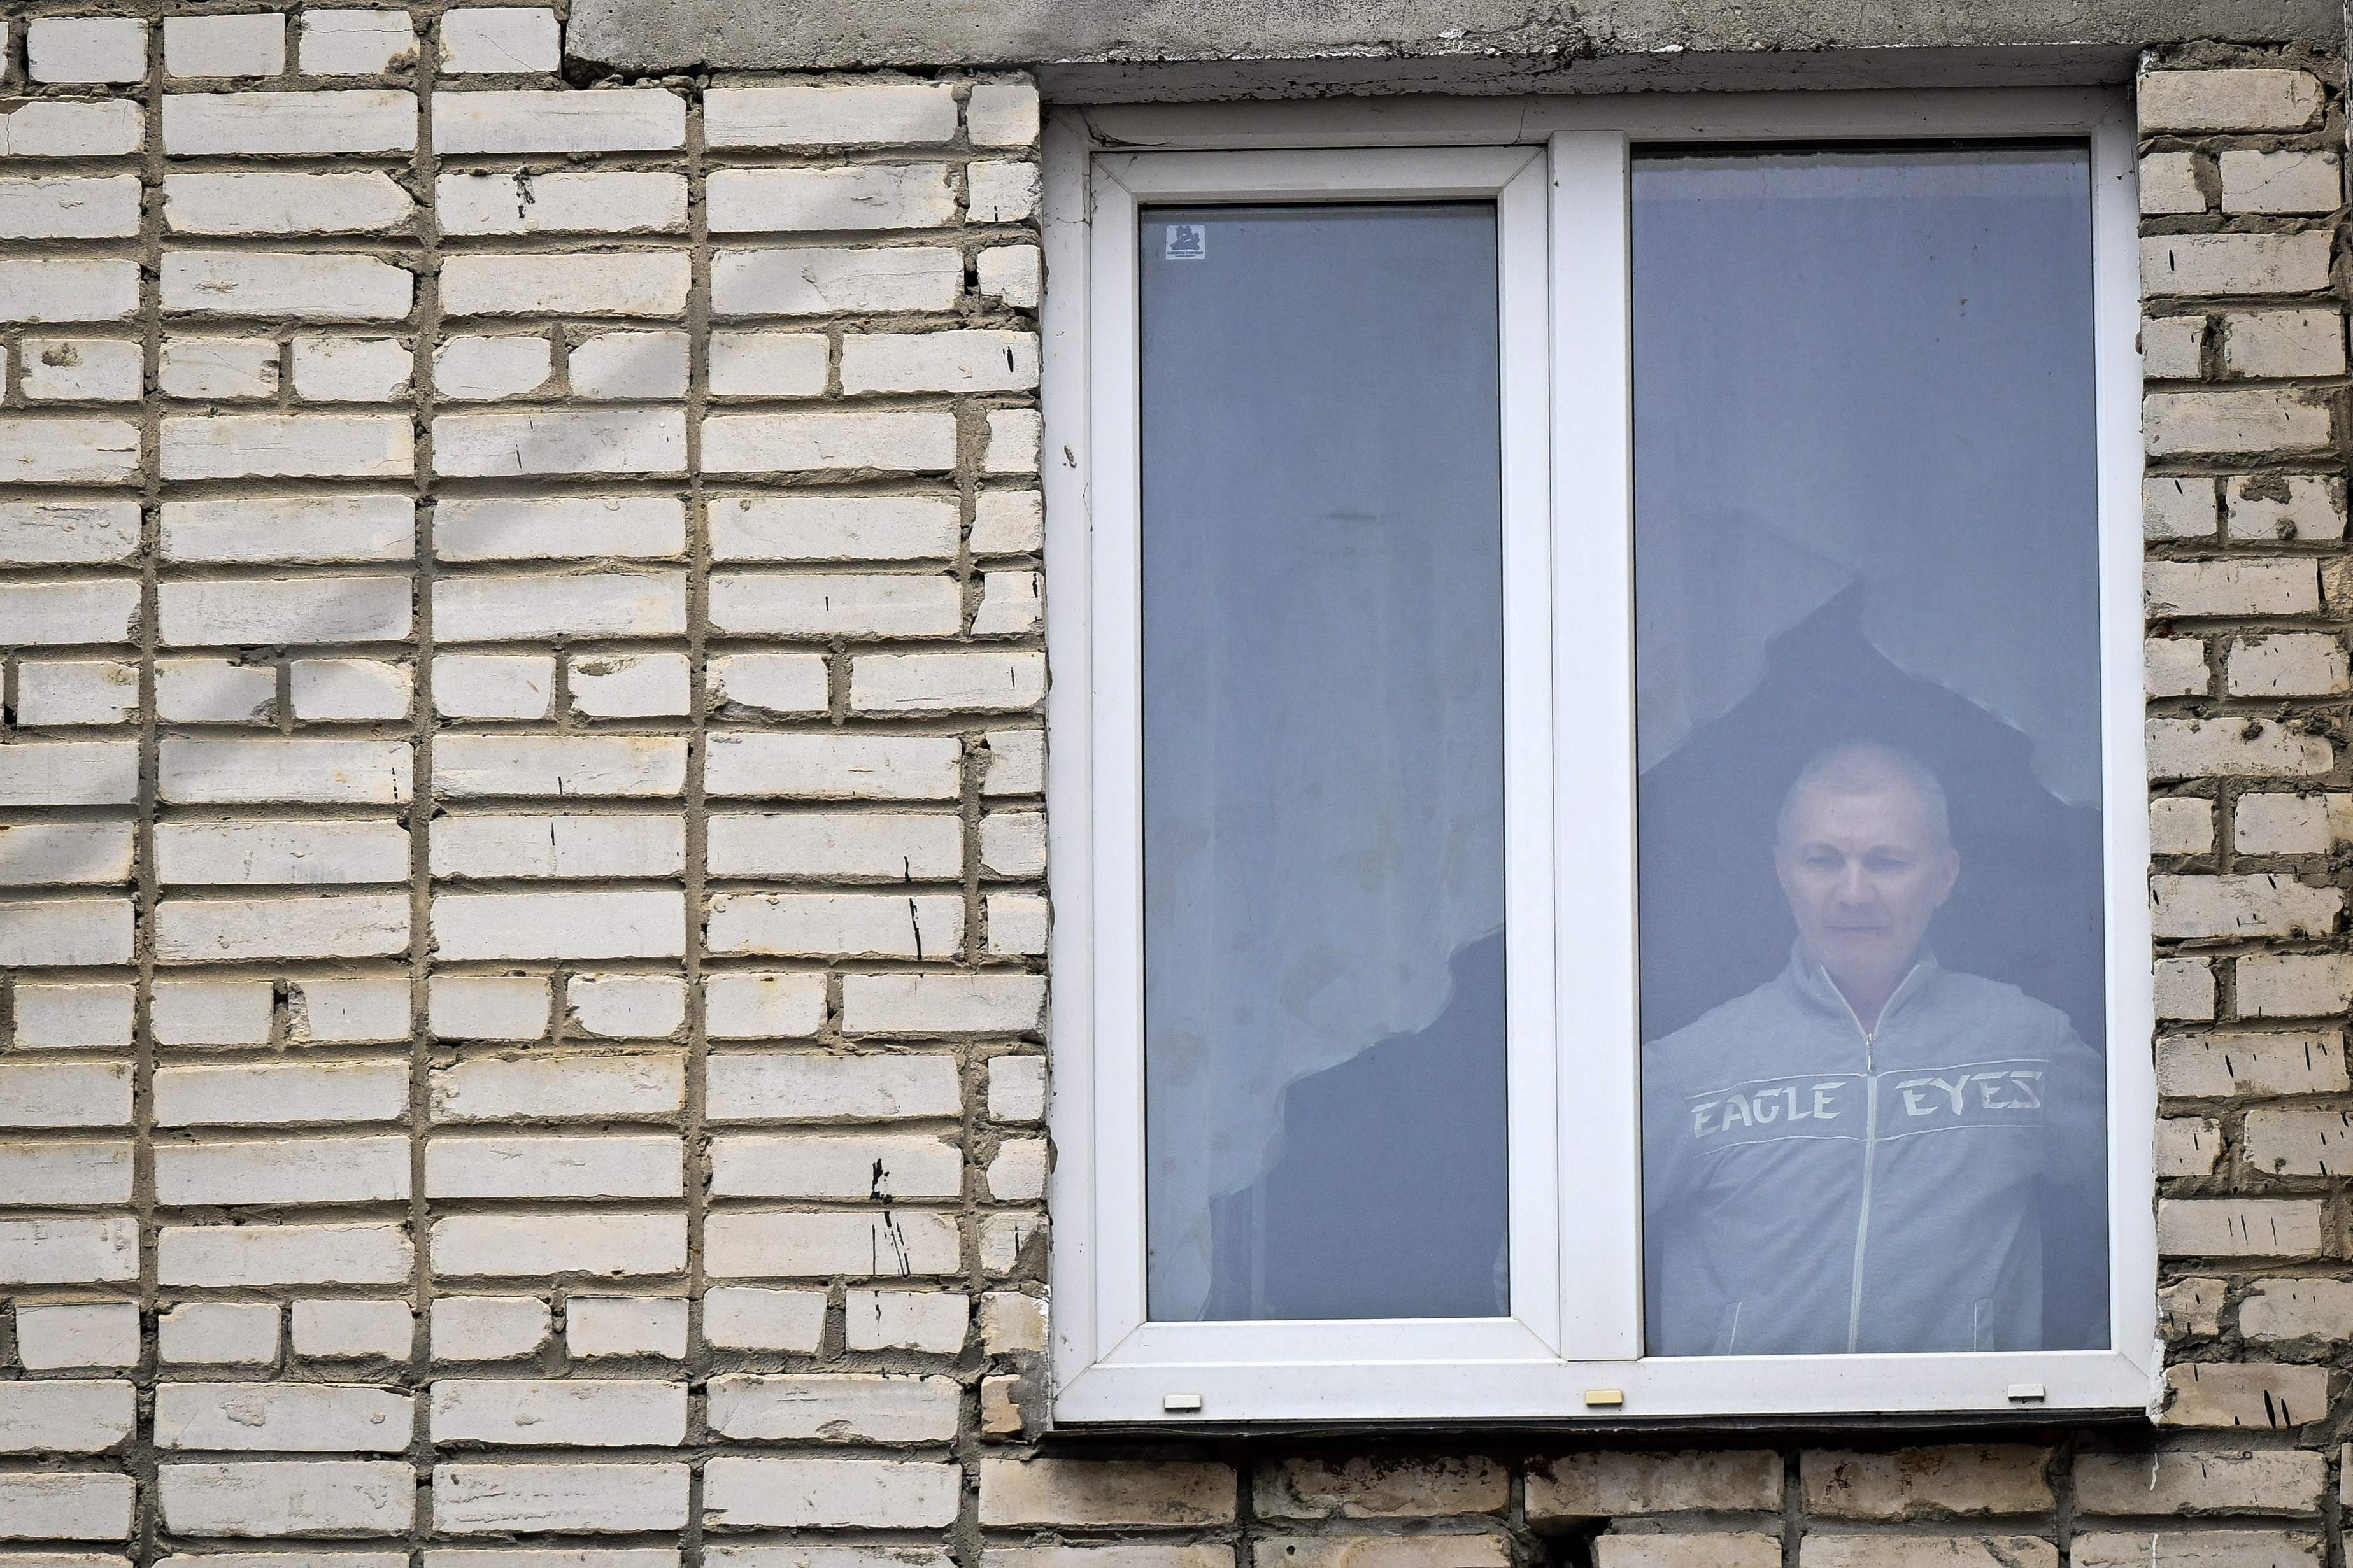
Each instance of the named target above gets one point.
<point>1323,755</point>
<point>1868,662</point>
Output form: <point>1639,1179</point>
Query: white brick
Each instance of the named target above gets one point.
<point>348,1010</point>
<point>211,931</point>
<point>69,1251</point>
<point>847,924</point>
<point>2256,100</point>
<point>375,1253</point>
<point>62,533</point>
<point>962,361</point>
<point>340,1329</point>
<point>369,1497</point>
<point>2273,823</point>
<point>1017,1173</point>
<point>74,853</point>
<point>626,1326</point>
<point>66,1174</point>
<point>627,1007</point>
<point>349,690</point>
<point>85,206</point>
<point>945,682</point>
<point>630,684</point>
<point>489,1328</point>
<point>549,1166</point>
<point>648,924</point>
<point>628,365</point>
<point>480,40</point>
<point>557,1243</point>
<point>218,369</point>
<point>249,612</point>
<point>833,527</point>
<point>763,1006</point>
<point>1017,1089</point>
<point>2283,343</point>
<point>613,202</point>
<point>283,1417</point>
<point>61,1417</point>
<point>581,1085</point>
<point>224,125</point>
<point>68,288</point>
<point>573,1413</point>
<point>818,281</point>
<point>768,364</point>
<point>64,932</point>
<point>2173,265</point>
<point>830,605</point>
<point>892,442</point>
<point>1002,114</point>
<point>2282,181</point>
<point>2285,507</point>
<point>2239,422</point>
<point>1012,1323</point>
<point>352,370</point>
<point>515,606</point>
<point>251,771</point>
<point>833,767</point>
<point>805,1494</point>
<point>266,1094</point>
<point>64,1094</point>
<point>65,451</point>
<point>85,369</point>
<point>839,1407</point>
<point>48,128</point>
<point>86,48</point>
<point>816,1086</point>
<point>284,1171</point>
<point>1018,924</point>
<point>212,1011</point>
<point>355,43</point>
<point>601,283</point>
<point>1001,193</point>
<point>2237,1227</point>
<point>559,528</point>
<point>738,1317</point>
<point>311,528</point>
<point>881,1166</point>
<point>2230,587</point>
<point>1014,435</point>
<point>567,765</point>
<point>771,682</point>
<point>1012,274</point>
<point>1008,523</point>
<point>489,1007</point>
<point>215,691</point>
<point>218,1333</point>
<point>2291,664</point>
<point>1010,603</point>
<point>75,691</point>
<point>2172,347</point>
<point>862,196</point>
<point>98,1333</point>
<point>867,114</point>
<point>84,610</point>
<point>931,1320</point>
<point>252,45</point>
<point>65,1506</point>
<point>847,845</point>
<point>601,441</point>
<point>74,1018</point>
<point>905,1243</point>
<point>493,685</point>
<point>287,446</point>
<point>909,1003</point>
<point>630,119</point>
<point>500,1499</point>
<point>571,845</point>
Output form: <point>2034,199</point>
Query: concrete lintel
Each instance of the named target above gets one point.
<point>1505,34</point>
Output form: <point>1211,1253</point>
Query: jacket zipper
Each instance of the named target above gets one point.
<point>1870,1149</point>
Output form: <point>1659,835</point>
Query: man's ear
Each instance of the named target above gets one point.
<point>1952,873</point>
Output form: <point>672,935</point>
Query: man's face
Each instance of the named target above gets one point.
<point>1863,874</point>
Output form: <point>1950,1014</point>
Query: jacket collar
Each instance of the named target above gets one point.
<point>1819,993</point>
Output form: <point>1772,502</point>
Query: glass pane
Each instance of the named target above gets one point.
<point>1322,757</point>
<point>1868,670</point>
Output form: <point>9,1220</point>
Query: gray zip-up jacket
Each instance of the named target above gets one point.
<point>1810,1186</point>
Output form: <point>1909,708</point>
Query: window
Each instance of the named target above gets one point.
<point>1597,780</point>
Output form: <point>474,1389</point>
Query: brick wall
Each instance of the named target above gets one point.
<point>521,868</point>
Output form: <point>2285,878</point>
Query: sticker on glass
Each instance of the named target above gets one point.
<point>1187,242</point>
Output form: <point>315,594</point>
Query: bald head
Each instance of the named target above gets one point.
<point>1855,768</point>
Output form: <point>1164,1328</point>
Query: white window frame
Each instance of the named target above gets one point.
<point>1558,171</point>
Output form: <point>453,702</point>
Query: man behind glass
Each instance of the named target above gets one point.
<point>1858,1154</point>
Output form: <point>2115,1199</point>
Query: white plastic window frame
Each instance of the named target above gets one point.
<point>1558,171</point>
